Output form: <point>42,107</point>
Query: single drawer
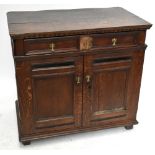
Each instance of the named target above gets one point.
<point>50,45</point>
<point>114,39</point>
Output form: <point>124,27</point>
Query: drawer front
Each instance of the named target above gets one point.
<point>75,43</point>
<point>115,39</point>
<point>110,40</point>
<point>50,45</point>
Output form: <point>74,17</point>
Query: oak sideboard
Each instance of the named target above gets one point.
<point>76,70</point>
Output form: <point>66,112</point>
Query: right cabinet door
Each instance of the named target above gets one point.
<point>107,79</point>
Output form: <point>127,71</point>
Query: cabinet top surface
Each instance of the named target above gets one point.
<point>28,23</point>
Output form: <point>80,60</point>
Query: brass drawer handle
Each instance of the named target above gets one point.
<point>52,46</point>
<point>78,80</point>
<point>114,40</point>
<point>88,78</point>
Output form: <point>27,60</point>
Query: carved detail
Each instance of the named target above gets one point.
<point>86,43</point>
<point>24,96</point>
<point>28,94</point>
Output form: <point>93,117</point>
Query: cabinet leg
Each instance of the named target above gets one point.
<point>26,142</point>
<point>128,127</point>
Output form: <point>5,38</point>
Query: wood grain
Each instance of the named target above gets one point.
<point>27,23</point>
<point>87,82</point>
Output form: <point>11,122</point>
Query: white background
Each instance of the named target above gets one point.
<point>140,140</point>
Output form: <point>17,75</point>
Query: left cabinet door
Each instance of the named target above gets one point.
<point>56,87</point>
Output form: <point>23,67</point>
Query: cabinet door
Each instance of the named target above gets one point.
<point>106,81</point>
<point>57,93</point>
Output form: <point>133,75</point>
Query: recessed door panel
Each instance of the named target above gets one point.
<point>54,95</point>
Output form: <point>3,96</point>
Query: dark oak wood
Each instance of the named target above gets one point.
<point>50,21</point>
<point>42,45</point>
<point>76,74</point>
<point>107,89</point>
<point>61,104</point>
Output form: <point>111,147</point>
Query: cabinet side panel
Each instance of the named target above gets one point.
<point>24,97</point>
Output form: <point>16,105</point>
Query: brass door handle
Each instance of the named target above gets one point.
<point>78,80</point>
<point>52,46</point>
<point>114,41</point>
<point>88,78</point>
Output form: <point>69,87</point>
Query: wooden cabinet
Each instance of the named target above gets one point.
<point>76,75</point>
